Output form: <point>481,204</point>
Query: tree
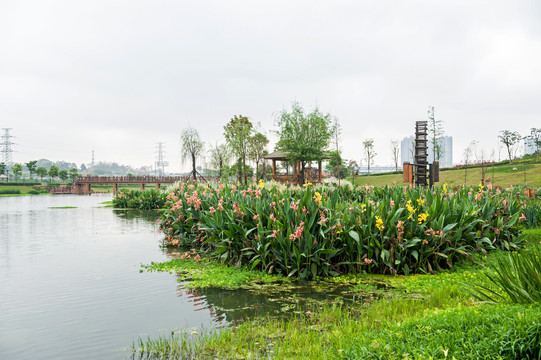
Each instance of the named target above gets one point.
<point>17,170</point>
<point>509,138</point>
<point>257,149</point>
<point>53,172</point>
<point>468,153</point>
<point>304,137</point>
<point>31,166</point>
<point>73,174</point>
<point>337,133</point>
<point>219,158</point>
<point>41,172</point>
<point>369,153</point>
<point>237,134</point>
<point>63,175</point>
<point>395,149</point>
<point>535,137</point>
<point>83,167</point>
<point>435,129</point>
<point>192,147</point>
<point>353,167</point>
<point>3,168</point>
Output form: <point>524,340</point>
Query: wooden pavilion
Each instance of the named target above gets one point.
<point>295,178</point>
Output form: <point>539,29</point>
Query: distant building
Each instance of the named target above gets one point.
<point>445,142</point>
<point>529,146</point>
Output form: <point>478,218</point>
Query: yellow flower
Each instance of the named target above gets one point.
<point>363,208</point>
<point>420,201</point>
<point>379,223</point>
<point>317,197</point>
<point>307,184</point>
<point>422,217</point>
<point>261,185</point>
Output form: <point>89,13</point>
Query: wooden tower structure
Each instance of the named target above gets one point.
<point>421,153</point>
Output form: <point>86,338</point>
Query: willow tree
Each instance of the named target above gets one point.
<point>237,133</point>
<point>192,147</point>
<point>304,137</point>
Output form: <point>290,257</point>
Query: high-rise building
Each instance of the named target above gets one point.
<point>529,146</point>
<point>445,144</point>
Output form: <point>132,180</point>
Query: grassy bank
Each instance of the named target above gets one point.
<point>501,175</point>
<point>421,317</point>
<point>16,190</point>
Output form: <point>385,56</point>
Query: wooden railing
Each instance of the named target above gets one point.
<point>144,179</point>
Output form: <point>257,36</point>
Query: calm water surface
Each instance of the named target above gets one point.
<point>70,286</point>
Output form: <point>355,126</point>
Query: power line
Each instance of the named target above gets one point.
<point>7,151</point>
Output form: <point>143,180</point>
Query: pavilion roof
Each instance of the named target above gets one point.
<point>277,155</point>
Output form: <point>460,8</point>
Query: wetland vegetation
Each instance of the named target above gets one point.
<point>453,242</point>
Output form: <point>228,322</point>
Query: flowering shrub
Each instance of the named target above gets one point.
<point>319,231</point>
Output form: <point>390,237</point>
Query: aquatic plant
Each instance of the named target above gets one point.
<point>141,200</point>
<point>320,230</point>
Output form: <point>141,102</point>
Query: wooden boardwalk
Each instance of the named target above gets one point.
<point>83,184</point>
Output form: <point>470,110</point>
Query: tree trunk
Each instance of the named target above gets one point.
<point>220,164</point>
<point>509,153</point>
<point>194,172</point>
<point>302,172</point>
<point>256,171</point>
<point>244,170</point>
<point>239,172</point>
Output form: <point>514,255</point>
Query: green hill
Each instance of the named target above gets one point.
<point>499,174</point>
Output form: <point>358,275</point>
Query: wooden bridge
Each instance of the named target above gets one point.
<point>83,184</point>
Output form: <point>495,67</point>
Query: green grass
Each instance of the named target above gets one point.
<point>9,190</point>
<point>420,315</point>
<point>501,175</point>
<point>204,273</point>
<point>62,207</point>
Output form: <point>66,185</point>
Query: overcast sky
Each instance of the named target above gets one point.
<point>117,76</point>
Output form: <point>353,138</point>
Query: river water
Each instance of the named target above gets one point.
<point>70,286</point>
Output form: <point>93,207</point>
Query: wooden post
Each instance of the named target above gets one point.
<point>142,186</point>
<point>273,167</point>
<point>319,171</point>
<point>115,188</point>
<point>158,186</point>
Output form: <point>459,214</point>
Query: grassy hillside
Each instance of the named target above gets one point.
<point>502,175</point>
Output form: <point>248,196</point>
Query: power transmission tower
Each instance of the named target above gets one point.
<point>7,151</point>
<point>160,164</point>
<point>92,164</point>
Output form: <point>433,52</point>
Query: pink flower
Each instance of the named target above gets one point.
<point>522,217</point>
<point>256,216</point>
<point>212,210</point>
<point>392,202</point>
<point>368,261</point>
